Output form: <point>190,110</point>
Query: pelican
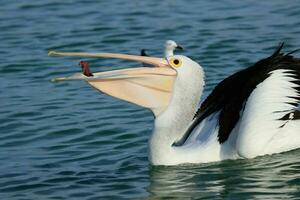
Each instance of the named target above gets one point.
<point>251,113</point>
<point>170,46</point>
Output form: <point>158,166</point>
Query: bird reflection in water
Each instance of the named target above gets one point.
<point>268,177</point>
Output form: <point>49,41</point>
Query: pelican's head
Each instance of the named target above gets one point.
<point>170,46</point>
<point>182,64</point>
<point>149,87</point>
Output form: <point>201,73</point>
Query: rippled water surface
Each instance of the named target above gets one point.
<point>67,141</point>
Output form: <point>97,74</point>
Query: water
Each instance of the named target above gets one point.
<point>66,141</point>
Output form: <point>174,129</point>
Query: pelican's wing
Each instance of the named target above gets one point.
<point>268,113</point>
<point>252,101</point>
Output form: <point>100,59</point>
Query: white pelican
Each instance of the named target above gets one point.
<point>251,113</point>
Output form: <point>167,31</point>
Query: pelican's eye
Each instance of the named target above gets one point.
<point>175,62</point>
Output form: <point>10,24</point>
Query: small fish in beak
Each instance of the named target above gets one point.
<point>85,66</point>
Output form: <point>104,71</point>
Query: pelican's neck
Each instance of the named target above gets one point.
<point>171,125</point>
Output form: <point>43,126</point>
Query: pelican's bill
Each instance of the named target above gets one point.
<point>149,87</point>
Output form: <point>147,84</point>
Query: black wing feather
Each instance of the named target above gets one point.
<point>230,95</point>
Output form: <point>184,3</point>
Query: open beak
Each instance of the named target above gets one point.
<point>149,87</point>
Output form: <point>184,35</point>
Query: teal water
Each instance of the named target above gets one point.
<point>67,141</point>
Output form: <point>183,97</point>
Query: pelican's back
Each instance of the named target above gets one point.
<point>260,104</point>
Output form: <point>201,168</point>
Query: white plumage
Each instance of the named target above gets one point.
<point>260,124</point>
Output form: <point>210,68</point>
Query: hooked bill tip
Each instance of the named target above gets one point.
<point>58,79</point>
<point>51,53</point>
<point>179,47</point>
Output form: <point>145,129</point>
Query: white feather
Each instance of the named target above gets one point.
<point>260,122</point>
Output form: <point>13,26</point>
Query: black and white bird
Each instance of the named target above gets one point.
<point>251,113</point>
